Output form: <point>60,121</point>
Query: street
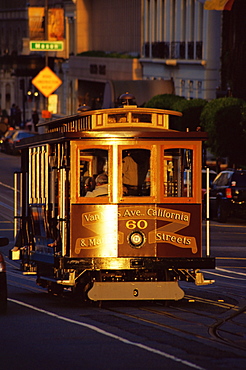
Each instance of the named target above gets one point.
<point>205,330</point>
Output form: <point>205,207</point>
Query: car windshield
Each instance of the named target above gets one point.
<point>239,179</point>
<point>22,135</point>
<point>204,179</point>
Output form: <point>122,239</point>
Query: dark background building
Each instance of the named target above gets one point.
<point>233,57</point>
<point>125,28</point>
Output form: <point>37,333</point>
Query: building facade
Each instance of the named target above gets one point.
<point>182,41</point>
<point>108,42</point>
<point>172,39</point>
<point>18,64</point>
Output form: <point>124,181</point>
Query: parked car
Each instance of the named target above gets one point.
<point>16,138</point>
<point>212,175</point>
<point>5,140</point>
<point>227,195</point>
<point>3,280</point>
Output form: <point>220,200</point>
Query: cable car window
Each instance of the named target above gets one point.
<point>93,172</point>
<point>178,168</point>
<point>119,118</point>
<point>136,172</point>
<point>136,117</point>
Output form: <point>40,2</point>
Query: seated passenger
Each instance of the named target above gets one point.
<point>101,188</point>
<point>89,184</point>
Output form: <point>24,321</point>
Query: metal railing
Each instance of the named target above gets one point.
<point>174,50</point>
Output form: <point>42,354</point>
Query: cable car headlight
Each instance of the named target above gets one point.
<point>136,239</point>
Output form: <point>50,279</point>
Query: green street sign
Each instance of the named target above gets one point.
<point>46,45</point>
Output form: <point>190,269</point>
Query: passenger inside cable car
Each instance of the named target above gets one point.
<point>90,184</point>
<point>93,162</point>
<point>135,168</point>
<point>101,188</point>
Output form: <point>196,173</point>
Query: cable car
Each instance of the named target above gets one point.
<point>108,205</point>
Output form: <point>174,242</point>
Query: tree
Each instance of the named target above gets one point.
<point>166,101</point>
<point>191,110</point>
<point>224,121</point>
<point>163,101</point>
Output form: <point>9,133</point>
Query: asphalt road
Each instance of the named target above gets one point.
<point>205,330</point>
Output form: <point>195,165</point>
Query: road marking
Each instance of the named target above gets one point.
<point>226,276</point>
<point>6,206</point>
<point>227,225</point>
<point>7,186</point>
<point>231,272</point>
<point>108,334</point>
<point>231,258</point>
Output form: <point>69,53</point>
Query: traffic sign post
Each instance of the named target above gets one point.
<point>46,81</point>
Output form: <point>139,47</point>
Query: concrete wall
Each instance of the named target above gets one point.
<point>104,68</point>
<point>109,25</point>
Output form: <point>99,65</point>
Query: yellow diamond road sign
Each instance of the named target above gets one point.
<point>46,81</point>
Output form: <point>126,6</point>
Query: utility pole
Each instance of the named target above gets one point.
<point>22,88</point>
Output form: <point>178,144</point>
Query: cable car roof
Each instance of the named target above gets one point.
<point>127,117</point>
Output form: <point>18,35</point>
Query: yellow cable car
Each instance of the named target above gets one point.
<point>111,205</point>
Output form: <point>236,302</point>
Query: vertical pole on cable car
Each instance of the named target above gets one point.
<point>46,39</point>
<point>15,204</point>
<point>207,214</point>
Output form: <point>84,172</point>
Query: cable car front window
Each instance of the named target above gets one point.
<point>178,168</point>
<point>136,172</point>
<point>93,172</point>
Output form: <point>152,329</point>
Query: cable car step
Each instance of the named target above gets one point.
<point>166,290</point>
